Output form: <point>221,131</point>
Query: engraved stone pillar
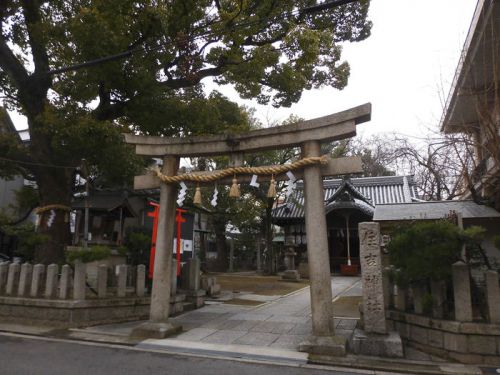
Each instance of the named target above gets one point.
<point>79,287</point>
<point>4,270</point>
<point>24,279</point>
<point>102,281</point>
<point>493,296</point>
<point>438,291</point>
<point>12,278</point>
<point>36,280</point>
<point>387,285</point>
<point>374,338</point>
<point>122,280</point>
<point>371,271</point>
<point>64,281</point>
<point>51,281</point>
<point>140,285</point>
<point>461,292</point>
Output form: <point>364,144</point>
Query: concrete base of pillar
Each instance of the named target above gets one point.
<point>155,330</point>
<point>177,304</point>
<point>196,296</point>
<point>324,345</point>
<point>213,290</point>
<point>291,275</point>
<point>304,270</point>
<point>374,344</point>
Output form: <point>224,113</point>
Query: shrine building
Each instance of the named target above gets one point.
<point>347,202</point>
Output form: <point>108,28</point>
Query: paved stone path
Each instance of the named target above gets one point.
<point>280,322</point>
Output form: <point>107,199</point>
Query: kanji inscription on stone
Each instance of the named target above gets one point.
<point>371,276</point>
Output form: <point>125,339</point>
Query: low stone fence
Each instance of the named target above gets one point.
<point>62,296</point>
<point>67,282</point>
<point>71,296</point>
<point>466,332</point>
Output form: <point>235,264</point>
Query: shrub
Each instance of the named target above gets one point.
<point>426,250</point>
<point>496,241</point>
<point>91,254</point>
<point>427,303</point>
<point>138,245</point>
<point>27,239</point>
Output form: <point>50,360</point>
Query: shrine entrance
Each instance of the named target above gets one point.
<point>313,166</point>
<point>343,237</point>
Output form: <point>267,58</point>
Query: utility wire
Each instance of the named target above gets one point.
<point>299,12</point>
<point>37,164</point>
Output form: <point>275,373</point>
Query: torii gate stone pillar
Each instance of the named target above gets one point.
<point>158,325</point>
<point>306,134</point>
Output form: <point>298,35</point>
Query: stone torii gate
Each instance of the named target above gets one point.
<point>307,135</point>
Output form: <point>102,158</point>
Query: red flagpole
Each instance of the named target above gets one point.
<point>179,219</point>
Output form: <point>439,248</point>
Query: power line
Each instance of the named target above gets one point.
<point>299,12</point>
<point>37,164</point>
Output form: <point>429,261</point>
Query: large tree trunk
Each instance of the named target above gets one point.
<point>55,189</point>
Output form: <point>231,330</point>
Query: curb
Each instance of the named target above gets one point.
<point>361,364</point>
<point>396,365</point>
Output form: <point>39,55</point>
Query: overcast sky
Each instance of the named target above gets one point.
<point>404,68</point>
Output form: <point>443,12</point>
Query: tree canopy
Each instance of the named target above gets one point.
<point>83,72</point>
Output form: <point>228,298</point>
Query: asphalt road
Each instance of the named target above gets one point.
<point>30,355</point>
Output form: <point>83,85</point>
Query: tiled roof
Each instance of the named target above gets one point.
<point>104,201</point>
<point>376,190</point>
<point>433,210</point>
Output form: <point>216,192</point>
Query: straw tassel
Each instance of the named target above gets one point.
<point>234,192</point>
<point>271,193</point>
<point>197,196</point>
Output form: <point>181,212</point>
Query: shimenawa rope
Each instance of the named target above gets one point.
<point>272,170</point>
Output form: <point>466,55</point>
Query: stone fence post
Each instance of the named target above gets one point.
<point>79,278</point>
<point>193,274</point>
<point>12,278</point>
<point>140,283</point>
<point>4,270</point>
<point>64,281</point>
<point>37,280</point>
<point>418,292</point>
<point>102,280</point>
<point>438,291</point>
<point>24,279</point>
<point>121,288</point>
<point>462,292</point>
<point>400,298</point>
<point>51,281</point>
<point>493,296</point>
